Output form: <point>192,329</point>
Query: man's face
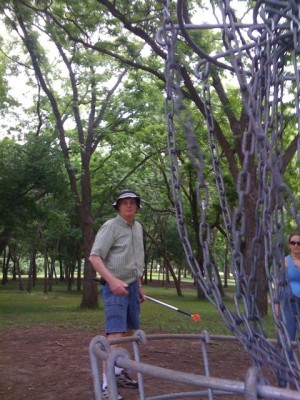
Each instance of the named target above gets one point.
<point>127,207</point>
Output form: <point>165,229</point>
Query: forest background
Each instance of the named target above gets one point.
<point>93,123</point>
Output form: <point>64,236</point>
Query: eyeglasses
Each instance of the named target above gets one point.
<point>294,243</point>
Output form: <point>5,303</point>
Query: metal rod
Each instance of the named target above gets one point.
<point>195,317</point>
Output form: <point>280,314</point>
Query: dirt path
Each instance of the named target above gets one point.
<point>53,364</point>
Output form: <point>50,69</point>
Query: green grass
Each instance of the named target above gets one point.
<point>62,309</point>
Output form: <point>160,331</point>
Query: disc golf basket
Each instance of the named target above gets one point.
<point>263,57</point>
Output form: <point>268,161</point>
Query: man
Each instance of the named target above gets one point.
<point>118,256</point>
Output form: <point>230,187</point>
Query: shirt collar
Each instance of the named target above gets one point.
<point>123,221</point>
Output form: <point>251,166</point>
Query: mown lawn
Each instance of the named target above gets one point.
<point>62,308</point>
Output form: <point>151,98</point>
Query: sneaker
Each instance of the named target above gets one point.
<point>105,395</point>
<point>124,380</point>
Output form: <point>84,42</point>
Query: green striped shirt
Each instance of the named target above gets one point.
<point>121,247</point>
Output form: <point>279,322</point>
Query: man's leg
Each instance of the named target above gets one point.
<point>123,377</point>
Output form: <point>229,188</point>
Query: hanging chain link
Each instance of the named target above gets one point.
<point>264,79</point>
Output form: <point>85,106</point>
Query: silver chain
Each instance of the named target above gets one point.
<point>263,82</point>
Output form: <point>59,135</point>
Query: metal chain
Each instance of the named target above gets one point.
<point>263,82</point>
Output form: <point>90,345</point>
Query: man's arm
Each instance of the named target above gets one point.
<point>116,285</point>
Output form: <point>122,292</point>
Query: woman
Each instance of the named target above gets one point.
<point>292,294</point>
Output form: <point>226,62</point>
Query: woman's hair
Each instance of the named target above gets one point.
<point>293,234</point>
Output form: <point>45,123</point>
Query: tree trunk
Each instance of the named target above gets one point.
<point>5,266</point>
<point>79,274</point>
<point>32,267</point>
<point>256,274</point>
<point>226,271</point>
<point>90,289</point>
<point>46,271</point>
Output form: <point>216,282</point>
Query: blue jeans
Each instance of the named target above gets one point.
<point>291,309</point>
<point>121,312</point>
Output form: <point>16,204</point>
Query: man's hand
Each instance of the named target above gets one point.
<point>142,294</point>
<point>118,287</point>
